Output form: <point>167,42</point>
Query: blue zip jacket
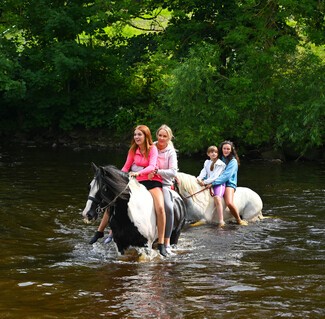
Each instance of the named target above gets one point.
<point>229,176</point>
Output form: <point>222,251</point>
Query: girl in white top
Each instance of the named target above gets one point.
<point>167,168</point>
<point>211,170</point>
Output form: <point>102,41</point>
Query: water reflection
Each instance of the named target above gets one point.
<point>274,268</point>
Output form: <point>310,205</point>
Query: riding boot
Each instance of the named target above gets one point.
<point>162,250</point>
<point>98,234</point>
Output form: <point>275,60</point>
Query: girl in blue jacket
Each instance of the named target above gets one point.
<point>229,176</point>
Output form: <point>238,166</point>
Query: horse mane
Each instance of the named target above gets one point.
<point>189,184</point>
<point>115,180</point>
<point>186,182</point>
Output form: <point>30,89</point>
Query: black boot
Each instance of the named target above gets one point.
<point>98,234</point>
<point>162,250</point>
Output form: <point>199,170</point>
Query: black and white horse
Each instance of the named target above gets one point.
<point>132,215</point>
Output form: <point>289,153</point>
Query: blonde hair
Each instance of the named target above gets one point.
<point>169,133</point>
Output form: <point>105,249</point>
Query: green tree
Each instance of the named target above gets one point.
<point>232,56</point>
<point>246,70</point>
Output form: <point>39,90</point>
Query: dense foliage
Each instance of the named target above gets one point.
<point>246,70</point>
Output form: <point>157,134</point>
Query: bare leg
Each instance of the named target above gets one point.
<point>229,200</point>
<point>158,200</point>
<point>104,222</point>
<point>219,207</point>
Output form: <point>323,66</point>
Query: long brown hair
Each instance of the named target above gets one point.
<point>209,150</point>
<point>148,143</point>
<point>233,153</point>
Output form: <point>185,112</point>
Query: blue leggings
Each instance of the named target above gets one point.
<point>169,209</point>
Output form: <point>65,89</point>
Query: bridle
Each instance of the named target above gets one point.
<point>101,209</point>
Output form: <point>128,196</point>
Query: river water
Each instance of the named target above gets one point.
<point>271,269</point>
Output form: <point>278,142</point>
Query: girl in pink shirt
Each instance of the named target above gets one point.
<point>142,159</point>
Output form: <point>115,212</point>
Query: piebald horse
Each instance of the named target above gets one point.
<point>131,209</point>
<point>200,205</point>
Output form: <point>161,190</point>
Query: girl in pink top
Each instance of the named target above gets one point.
<point>143,155</point>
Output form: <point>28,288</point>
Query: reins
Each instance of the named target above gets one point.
<point>102,209</point>
<point>201,190</point>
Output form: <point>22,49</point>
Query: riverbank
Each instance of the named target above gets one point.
<point>77,140</point>
<point>98,139</point>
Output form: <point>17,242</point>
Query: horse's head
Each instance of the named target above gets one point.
<point>107,184</point>
<point>94,200</point>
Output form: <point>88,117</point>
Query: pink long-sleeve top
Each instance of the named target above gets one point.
<point>148,164</point>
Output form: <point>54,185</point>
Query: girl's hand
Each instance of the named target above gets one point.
<point>151,175</point>
<point>133,174</point>
<point>200,182</point>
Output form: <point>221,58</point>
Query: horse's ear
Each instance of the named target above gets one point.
<point>102,170</point>
<point>95,168</point>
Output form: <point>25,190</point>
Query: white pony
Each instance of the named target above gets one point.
<point>200,204</point>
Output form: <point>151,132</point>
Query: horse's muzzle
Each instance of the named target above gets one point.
<point>92,215</point>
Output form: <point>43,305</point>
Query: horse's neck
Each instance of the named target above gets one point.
<point>199,197</point>
<point>189,184</point>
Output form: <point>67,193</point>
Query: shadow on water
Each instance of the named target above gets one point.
<point>273,268</point>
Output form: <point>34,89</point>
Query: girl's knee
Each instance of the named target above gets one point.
<point>231,205</point>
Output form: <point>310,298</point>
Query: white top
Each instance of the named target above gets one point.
<point>167,165</point>
<point>209,176</point>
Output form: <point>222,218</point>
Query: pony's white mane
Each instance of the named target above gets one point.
<point>189,187</point>
<point>200,204</point>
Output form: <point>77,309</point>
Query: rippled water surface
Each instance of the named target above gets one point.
<point>271,269</point>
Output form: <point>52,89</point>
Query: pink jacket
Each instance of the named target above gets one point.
<point>148,164</point>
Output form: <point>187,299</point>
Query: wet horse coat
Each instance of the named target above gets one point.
<point>200,204</point>
<point>132,214</point>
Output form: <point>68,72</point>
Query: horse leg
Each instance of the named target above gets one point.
<point>179,212</point>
